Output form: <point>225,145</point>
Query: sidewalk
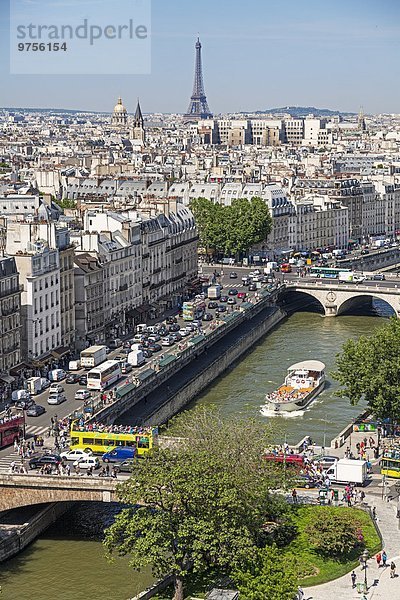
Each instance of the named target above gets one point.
<point>380,585</point>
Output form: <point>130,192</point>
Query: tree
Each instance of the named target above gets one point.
<point>233,229</point>
<point>266,576</point>
<point>369,369</point>
<point>198,505</point>
<point>335,533</point>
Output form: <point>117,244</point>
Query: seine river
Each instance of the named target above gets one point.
<point>61,567</point>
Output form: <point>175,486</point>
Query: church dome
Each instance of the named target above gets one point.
<point>119,107</point>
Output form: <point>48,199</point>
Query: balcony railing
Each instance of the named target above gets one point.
<point>14,290</point>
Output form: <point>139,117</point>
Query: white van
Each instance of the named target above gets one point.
<point>141,328</point>
<point>57,374</point>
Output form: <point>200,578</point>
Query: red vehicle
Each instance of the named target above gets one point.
<point>286,268</point>
<point>12,427</point>
<point>289,459</point>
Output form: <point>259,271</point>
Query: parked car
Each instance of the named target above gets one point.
<point>233,292</point>
<point>35,410</point>
<point>87,462</point>
<point>154,347</point>
<point>232,275</point>
<point>56,398</point>
<point>25,403</point>
<point>124,466</point>
<point>72,378</point>
<point>45,459</point>
<point>176,336</point>
<point>82,394</point>
<point>56,387</point>
<point>223,299</point>
<point>207,317</point>
<point>76,454</point>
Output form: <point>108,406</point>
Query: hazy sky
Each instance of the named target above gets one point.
<point>257,54</point>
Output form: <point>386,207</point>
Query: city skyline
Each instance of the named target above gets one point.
<point>248,61</point>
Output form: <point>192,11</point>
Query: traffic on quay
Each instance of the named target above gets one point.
<point>243,388</point>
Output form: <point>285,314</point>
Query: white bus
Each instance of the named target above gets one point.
<point>104,375</point>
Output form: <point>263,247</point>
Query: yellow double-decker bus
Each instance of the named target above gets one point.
<point>101,439</point>
<point>390,463</point>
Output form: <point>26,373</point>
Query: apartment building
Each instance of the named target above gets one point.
<point>89,301</point>
<point>10,318</point>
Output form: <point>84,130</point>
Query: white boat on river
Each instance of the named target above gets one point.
<point>304,381</point>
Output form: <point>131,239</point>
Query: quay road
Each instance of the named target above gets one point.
<point>40,425</point>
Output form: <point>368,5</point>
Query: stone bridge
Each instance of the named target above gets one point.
<point>22,490</point>
<point>336,298</point>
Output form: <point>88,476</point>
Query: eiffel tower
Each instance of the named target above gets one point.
<point>198,107</point>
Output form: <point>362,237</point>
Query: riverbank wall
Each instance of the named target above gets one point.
<point>16,535</point>
<point>156,381</point>
<point>211,365</point>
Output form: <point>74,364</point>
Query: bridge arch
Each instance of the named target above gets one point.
<point>22,490</point>
<point>294,295</point>
<point>361,299</point>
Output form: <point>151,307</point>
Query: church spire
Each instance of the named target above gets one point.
<point>138,119</point>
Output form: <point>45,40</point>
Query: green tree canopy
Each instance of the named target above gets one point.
<point>268,575</point>
<point>231,229</point>
<point>369,369</point>
<point>202,503</point>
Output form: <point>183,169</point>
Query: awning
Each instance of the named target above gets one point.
<point>17,370</point>
<point>7,378</point>
<point>60,352</point>
<point>123,390</point>
<point>143,308</point>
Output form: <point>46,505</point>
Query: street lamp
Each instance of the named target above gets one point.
<point>364,558</point>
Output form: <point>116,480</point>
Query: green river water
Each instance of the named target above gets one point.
<point>61,566</point>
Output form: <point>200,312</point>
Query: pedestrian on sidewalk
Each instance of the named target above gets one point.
<point>378,559</point>
<point>392,570</point>
<point>374,513</point>
<point>294,496</point>
<point>384,558</point>
<point>353,579</point>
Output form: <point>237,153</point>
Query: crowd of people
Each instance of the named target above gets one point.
<point>284,395</point>
<point>80,425</point>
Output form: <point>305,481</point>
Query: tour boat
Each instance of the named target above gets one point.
<point>304,381</point>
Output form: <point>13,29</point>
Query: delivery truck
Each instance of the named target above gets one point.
<point>34,385</point>
<point>270,268</point>
<point>350,277</point>
<point>136,358</point>
<point>347,470</point>
<point>93,356</point>
<point>214,292</point>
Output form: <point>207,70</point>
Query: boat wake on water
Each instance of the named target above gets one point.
<point>266,412</point>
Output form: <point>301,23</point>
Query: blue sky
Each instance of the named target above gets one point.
<point>256,54</point>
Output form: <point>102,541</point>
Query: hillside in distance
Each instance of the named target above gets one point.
<point>303,111</point>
